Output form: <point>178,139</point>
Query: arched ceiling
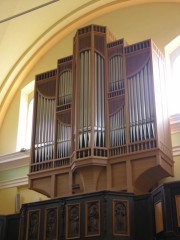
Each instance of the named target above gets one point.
<point>28,29</point>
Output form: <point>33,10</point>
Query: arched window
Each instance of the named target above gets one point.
<point>29,124</point>
<point>25,117</point>
<point>175,105</point>
<point>172,51</point>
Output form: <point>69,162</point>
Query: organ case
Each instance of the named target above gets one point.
<point>100,119</point>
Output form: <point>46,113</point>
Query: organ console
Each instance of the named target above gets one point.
<point>100,119</point>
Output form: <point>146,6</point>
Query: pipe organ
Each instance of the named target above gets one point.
<point>100,119</point>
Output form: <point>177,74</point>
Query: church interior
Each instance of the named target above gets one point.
<point>90,120</point>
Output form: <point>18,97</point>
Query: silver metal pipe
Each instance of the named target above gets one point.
<point>86,80</point>
<point>139,103</point>
<point>143,105</point>
<point>133,112</point>
<point>147,101</point>
<point>130,109</point>
<point>81,100</point>
<point>100,90</point>
<point>150,90</point>
<point>134,88</point>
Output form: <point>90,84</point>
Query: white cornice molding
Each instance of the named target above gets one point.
<point>14,182</point>
<point>175,123</point>
<point>176,151</point>
<point>14,160</point>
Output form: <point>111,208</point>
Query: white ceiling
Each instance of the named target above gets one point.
<point>29,28</point>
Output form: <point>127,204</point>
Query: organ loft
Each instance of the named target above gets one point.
<point>100,119</point>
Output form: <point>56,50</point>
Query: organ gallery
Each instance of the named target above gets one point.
<point>100,119</point>
<point>100,145</point>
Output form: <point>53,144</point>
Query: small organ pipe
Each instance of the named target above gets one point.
<point>65,88</point>
<point>64,140</point>
<point>117,128</point>
<point>116,73</point>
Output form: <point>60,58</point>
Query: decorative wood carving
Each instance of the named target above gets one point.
<point>73,221</point>
<point>93,218</point>
<point>51,225</point>
<point>33,226</point>
<point>120,217</point>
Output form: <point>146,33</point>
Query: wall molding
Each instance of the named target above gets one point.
<point>14,160</point>
<point>175,123</point>
<point>14,182</point>
<point>27,11</point>
<point>176,151</point>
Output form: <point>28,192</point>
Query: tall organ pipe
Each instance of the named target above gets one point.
<point>63,130</point>
<point>84,101</point>
<point>99,139</point>
<point>44,139</point>
<point>116,83</point>
<point>141,115</point>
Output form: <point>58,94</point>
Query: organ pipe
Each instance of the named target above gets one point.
<point>85,101</point>
<point>141,111</point>
<point>64,140</point>
<point>116,73</point>
<point>63,135</point>
<point>127,118</point>
<point>117,128</point>
<point>44,138</point>
<point>99,131</point>
<point>117,120</point>
<point>65,88</point>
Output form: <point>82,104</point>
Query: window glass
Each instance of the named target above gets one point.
<point>172,51</point>
<point>25,117</point>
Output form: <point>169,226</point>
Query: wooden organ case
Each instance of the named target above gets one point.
<point>100,119</point>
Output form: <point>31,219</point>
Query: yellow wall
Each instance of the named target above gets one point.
<point>8,198</point>
<point>175,143</point>
<point>175,137</point>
